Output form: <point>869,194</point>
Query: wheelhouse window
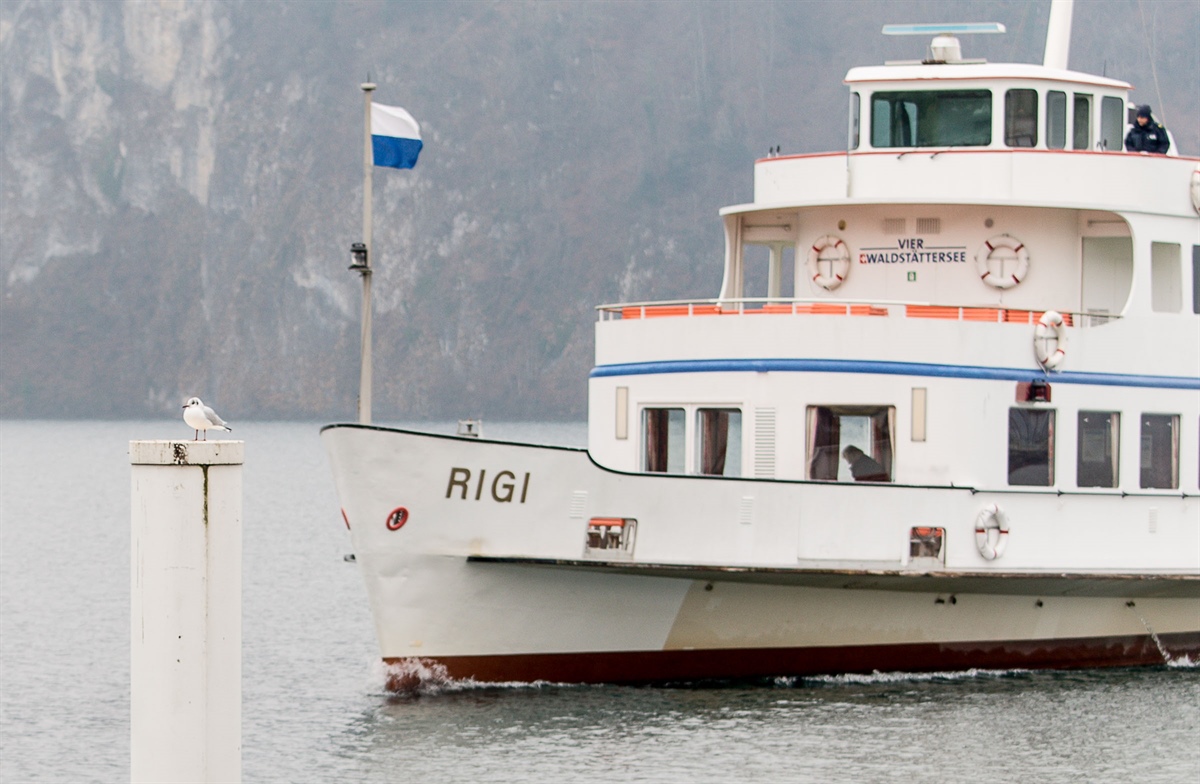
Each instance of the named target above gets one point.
<point>1020,118</point>
<point>1112,124</point>
<point>1099,449</point>
<point>720,432</point>
<point>1056,120</point>
<point>664,435</point>
<point>851,443</point>
<point>931,118</point>
<point>1030,447</point>
<point>1082,135</point>
<point>855,108</point>
<point>1160,451</point>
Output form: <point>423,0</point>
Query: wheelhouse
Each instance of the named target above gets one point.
<point>984,106</point>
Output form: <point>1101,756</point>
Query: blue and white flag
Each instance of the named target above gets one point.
<point>395,137</point>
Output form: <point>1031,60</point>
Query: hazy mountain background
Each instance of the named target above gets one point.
<point>180,182</point>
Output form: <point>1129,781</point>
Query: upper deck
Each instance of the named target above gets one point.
<point>981,133</point>
<point>1078,179</point>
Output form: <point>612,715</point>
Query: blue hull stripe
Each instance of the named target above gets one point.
<point>889,369</point>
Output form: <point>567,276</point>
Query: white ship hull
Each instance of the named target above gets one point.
<point>493,579</point>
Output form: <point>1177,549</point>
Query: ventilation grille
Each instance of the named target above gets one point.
<point>764,443</point>
<point>929,225</point>
<point>578,503</point>
<point>894,225</point>
<point>746,510</point>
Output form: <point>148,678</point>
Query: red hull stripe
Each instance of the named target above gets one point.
<point>727,663</point>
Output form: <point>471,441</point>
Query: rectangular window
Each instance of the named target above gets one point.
<point>1166,277</point>
<point>851,442</point>
<point>720,441</point>
<point>1020,118</point>
<point>918,413</point>
<point>1112,124</point>
<point>1196,278</point>
<point>1031,447</point>
<point>1082,136</point>
<point>932,118</point>
<point>1099,449</point>
<point>664,440</point>
<point>1160,451</point>
<point>855,103</point>
<point>1056,120</point>
<point>622,413</point>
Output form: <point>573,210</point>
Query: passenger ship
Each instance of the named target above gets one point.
<point>994,319</point>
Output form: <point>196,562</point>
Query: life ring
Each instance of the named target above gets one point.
<point>397,518</point>
<point>991,518</point>
<point>999,279</point>
<point>1049,330</point>
<point>840,263</point>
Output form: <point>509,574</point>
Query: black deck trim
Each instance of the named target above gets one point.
<point>1174,585</point>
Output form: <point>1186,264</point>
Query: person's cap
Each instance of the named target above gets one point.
<point>1144,111</point>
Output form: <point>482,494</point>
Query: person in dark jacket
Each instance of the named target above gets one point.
<point>1146,135</point>
<point>863,467</point>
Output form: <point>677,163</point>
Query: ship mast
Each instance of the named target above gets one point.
<point>1058,34</point>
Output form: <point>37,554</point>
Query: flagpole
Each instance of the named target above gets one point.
<point>364,381</point>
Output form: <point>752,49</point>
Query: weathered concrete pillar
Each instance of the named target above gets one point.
<point>186,620</point>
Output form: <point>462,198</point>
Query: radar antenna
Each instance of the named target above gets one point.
<point>945,47</point>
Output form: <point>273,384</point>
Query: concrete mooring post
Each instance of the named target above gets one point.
<point>186,619</point>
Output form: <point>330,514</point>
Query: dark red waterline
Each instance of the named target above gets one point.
<point>641,667</point>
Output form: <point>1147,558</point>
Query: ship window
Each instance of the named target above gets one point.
<point>1082,137</point>
<point>1112,123</point>
<point>1166,284</point>
<point>855,104</point>
<point>851,442</point>
<point>1030,447</point>
<point>664,440</point>
<point>720,432</point>
<point>1160,451</point>
<point>932,118</point>
<point>1099,449</point>
<point>1056,120</point>
<point>1196,278</point>
<point>1020,118</point>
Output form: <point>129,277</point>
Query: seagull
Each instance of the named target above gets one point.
<point>200,417</point>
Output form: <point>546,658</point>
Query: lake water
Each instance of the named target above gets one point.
<point>314,705</point>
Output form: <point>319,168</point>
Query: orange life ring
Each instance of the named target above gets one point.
<point>397,518</point>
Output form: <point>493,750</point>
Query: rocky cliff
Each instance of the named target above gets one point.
<point>180,182</point>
